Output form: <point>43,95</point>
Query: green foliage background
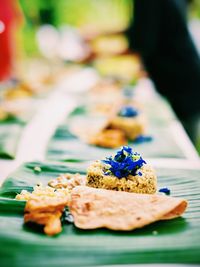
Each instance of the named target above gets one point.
<point>75,13</point>
<point>78,13</point>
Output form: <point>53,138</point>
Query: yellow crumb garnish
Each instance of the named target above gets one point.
<point>43,192</point>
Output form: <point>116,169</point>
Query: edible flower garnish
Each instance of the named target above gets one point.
<point>124,163</point>
<point>143,138</point>
<point>165,190</point>
<point>128,111</point>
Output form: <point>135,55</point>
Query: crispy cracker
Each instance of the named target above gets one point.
<point>96,208</point>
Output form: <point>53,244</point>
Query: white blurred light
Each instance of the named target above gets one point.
<point>2,26</point>
<point>48,40</point>
<point>72,46</point>
<point>79,82</point>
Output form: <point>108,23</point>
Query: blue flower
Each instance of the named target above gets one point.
<point>124,163</point>
<point>143,138</point>
<point>128,111</point>
<point>165,190</point>
<point>127,149</point>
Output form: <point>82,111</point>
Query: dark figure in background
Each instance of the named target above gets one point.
<point>160,35</point>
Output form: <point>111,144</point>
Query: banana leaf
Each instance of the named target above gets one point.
<point>9,137</point>
<point>65,146</point>
<point>174,241</point>
<point>159,112</point>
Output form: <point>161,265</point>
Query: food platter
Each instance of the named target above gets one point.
<point>64,145</point>
<point>174,241</point>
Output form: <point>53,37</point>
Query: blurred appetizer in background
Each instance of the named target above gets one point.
<point>129,120</point>
<point>104,95</point>
<point>127,124</point>
<point>112,44</point>
<point>109,138</point>
<point>124,67</point>
<point>17,90</point>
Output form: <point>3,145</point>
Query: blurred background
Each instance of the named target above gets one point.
<point>39,37</point>
<point>90,17</point>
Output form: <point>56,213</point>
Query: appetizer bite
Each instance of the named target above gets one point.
<point>126,124</point>
<point>130,121</point>
<point>109,138</point>
<point>125,171</point>
<point>46,204</point>
<point>47,212</point>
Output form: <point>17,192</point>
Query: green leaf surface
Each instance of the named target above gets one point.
<point>11,119</point>
<point>79,110</point>
<point>159,112</point>
<point>9,137</point>
<point>173,241</point>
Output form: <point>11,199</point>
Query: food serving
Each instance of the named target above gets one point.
<point>94,200</point>
<point>127,124</point>
<point>125,171</point>
<point>129,120</point>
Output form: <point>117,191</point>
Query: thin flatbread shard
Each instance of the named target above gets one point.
<point>99,208</point>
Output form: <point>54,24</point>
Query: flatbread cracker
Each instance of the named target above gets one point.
<point>99,208</point>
